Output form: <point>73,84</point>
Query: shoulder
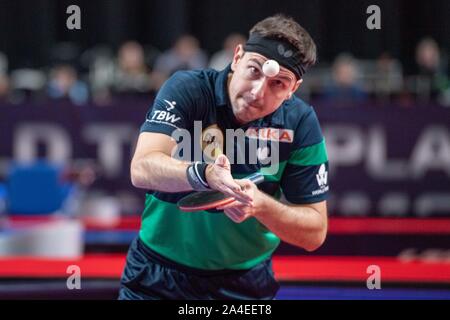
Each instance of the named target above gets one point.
<point>192,81</point>
<point>191,90</point>
<point>298,112</point>
<point>302,118</point>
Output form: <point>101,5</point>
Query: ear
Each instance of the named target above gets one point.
<point>295,88</point>
<point>238,54</point>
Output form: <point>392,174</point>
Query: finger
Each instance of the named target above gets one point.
<point>227,190</point>
<point>226,206</point>
<point>239,196</point>
<point>242,188</point>
<point>243,197</point>
<point>234,215</point>
<point>230,183</point>
<point>231,215</point>
<point>239,214</point>
<point>245,184</point>
<point>245,191</point>
<point>234,204</point>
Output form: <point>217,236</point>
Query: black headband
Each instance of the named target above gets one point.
<point>279,50</point>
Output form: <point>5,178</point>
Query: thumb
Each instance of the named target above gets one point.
<point>222,161</point>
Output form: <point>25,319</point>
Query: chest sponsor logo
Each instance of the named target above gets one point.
<point>272,134</point>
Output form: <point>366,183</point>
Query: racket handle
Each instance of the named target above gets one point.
<point>256,178</point>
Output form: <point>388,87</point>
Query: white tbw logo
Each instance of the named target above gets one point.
<point>171,105</point>
<point>165,116</point>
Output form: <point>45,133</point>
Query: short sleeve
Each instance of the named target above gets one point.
<point>305,178</point>
<point>174,106</point>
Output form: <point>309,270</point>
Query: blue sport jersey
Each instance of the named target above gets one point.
<point>287,147</point>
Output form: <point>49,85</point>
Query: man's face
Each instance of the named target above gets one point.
<point>253,95</point>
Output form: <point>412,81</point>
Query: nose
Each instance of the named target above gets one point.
<point>259,88</point>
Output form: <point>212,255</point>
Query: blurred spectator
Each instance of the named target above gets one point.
<point>4,88</point>
<point>131,74</point>
<point>344,89</point>
<point>222,58</point>
<point>100,62</point>
<point>184,55</point>
<point>431,79</point>
<point>388,76</point>
<point>428,57</point>
<point>27,84</point>
<point>64,84</point>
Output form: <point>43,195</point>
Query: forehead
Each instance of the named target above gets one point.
<point>260,59</point>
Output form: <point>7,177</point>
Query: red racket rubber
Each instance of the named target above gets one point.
<point>205,200</point>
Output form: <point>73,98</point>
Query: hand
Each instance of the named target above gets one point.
<point>218,176</point>
<point>238,211</point>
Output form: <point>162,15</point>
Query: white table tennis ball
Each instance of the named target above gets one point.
<point>271,68</point>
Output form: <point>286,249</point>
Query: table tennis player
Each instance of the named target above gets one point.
<point>225,253</point>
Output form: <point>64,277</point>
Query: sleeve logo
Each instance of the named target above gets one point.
<point>161,116</point>
<point>322,180</point>
<point>322,176</point>
<point>164,116</point>
<point>170,105</point>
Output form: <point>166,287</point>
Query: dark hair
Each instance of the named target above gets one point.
<point>286,28</point>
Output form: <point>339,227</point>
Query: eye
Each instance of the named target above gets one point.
<point>278,83</point>
<point>254,71</point>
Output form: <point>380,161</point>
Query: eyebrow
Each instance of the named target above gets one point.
<point>256,61</point>
<point>260,66</point>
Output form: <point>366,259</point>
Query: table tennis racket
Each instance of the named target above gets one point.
<point>204,200</point>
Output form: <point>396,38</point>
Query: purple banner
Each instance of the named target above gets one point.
<point>388,161</point>
<point>384,161</point>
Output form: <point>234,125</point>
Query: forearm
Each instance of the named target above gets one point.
<point>158,171</point>
<point>301,226</point>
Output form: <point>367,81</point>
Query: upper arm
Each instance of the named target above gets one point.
<point>153,142</point>
<point>173,109</point>
<point>320,207</point>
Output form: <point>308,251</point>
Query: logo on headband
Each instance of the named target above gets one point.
<point>282,51</point>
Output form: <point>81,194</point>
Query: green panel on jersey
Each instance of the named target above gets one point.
<point>310,156</point>
<point>204,240</point>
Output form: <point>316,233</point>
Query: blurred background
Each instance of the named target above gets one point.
<point>72,101</point>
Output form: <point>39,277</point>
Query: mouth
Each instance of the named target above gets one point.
<point>251,105</point>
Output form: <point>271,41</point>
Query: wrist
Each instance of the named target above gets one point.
<point>262,204</point>
<point>208,169</point>
<point>196,176</point>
